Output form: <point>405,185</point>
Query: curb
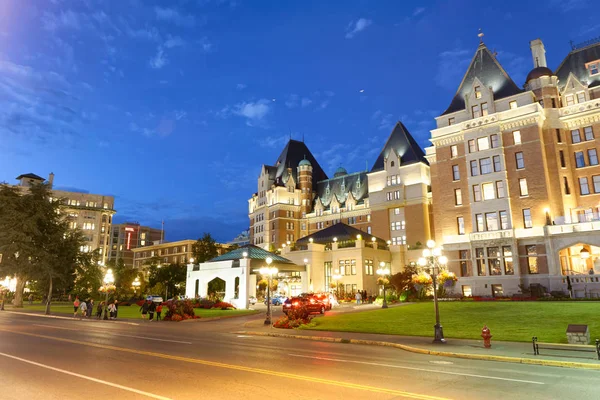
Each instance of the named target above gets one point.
<point>33,314</point>
<point>481,357</point>
<point>209,319</point>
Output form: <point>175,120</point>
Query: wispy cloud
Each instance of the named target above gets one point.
<point>305,102</point>
<point>241,86</point>
<point>173,41</point>
<point>273,141</point>
<point>174,16</point>
<point>292,101</point>
<point>254,112</point>
<point>383,121</point>
<point>516,66</point>
<point>180,114</point>
<point>64,20</point>
<point>356,27</point>
<point>418,11</point>
<point>569,5</point>
<point>205,44</point>
<point>451,67</point>
<point>159,60</point>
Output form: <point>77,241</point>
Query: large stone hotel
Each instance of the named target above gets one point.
<point>510,185</point>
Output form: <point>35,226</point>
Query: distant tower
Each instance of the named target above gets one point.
<point>305,171</point>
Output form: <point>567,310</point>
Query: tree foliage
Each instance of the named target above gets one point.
<point>205,248</point>
<point>171,277</point>
<point>403,280</point>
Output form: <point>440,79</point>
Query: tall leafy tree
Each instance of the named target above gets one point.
<point>171,276</point>
<point>205,248</point>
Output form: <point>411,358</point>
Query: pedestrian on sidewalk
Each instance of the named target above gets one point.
<point>116,309</point>
<point>159,312</point>
<point>30,299</point>
<point>75,306</point>
<point>90,307</point>
<point>151,310</point>
<point>83,309</point>
<point>99,310</point>
<point>358,297</point>
<point>144,309</point>
<point>112,311</point>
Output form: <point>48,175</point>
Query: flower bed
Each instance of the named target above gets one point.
<point>294,319</point>
<point>223,306</point>
<point>180,310</point>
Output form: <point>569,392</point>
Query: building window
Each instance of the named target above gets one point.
<point>495,141</point>
<point>484,109</point>
<point>480,224</point>
<point>570,100</point>
<point>561,156</point>
<point>512,105</point>
<point>491,221</point>
<point>463,257</point>
<point>483,143</point>
<point>488,191</point>
<point>451,121</point>
<point>368,267</point>
<point>454,151</point>
<point>455,173</point>
<point>581,97</point>
<point>466,291</point>
<point>579,159</point>
<point>369,230</point>
<point>497,291</point>
<point>520,160</point>
<point>593,68</point>
<point>472,148</point>
<point>485,166</point>
<point>596,181</point>
<point>566,185</point>
<point>509,268</point>
<point>474,170</point>
<point>460,222</point>
<point>500,189</point>
<point>497,164</point>
<point>397,211</point>
<point>527,218</point>
<point>476,110</point>
<point>532,263</point>
<point>575,136</point>
<point>592,157</point>
<point>494,260</point>
<point>476,193</point>
<point>523,190</point>
<point>504,220</point>
<point>558,136</point>
<point>588,133</point>
<point>480,258</point>
<point>583,186</point>
<point>477,92</point>
<point>458,197</point>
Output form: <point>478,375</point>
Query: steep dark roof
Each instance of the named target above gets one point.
<point>340,231</point>
<point>488,70</point>
<point>402,142</point>
<point>30,176</point>
<point>575,63</point>
<point>254,253</point>
<point>294,152</point>
<point>356,183</point>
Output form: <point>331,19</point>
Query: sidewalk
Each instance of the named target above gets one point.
<point>516,352</point>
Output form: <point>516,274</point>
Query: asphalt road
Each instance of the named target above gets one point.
<point>59,359</point>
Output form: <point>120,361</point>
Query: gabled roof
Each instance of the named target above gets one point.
<point>405,146</point>
<point>575,63</point>
<point>488,70</point>
<point>356,183</point>
<point>30,176</point>
<point>340,231</point>
<point>254,253</point>
<point>294,152</point>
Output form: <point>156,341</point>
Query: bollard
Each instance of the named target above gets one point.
<point>485,334</point>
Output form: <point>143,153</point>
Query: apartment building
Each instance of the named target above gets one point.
<point>90,213</point>
<point>179,252</point>
<point>515,176</point>
<point>128,236</point>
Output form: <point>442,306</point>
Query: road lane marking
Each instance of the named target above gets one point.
<point>242,368</point>
<point>33,314</point>
<point>418,369</point>
<point>114,334</point>
<point>115,385</point>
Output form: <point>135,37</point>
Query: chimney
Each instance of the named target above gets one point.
<point>51,179</point>
<point>538,52</point>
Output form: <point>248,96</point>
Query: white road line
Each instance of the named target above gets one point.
<point>115,385</point>
<point>419,369</point>
<point>115,334</point>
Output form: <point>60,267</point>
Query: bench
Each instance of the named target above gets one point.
<point>565,347</point>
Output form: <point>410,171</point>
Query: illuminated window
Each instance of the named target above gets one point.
<point>508,260</point>
<point>504,220</point>
<point>480,257</point>
<point>480,224</point>
<point>460,222</point>
<point>477,92</point>
<point>454,151</point>
<point>466,291</point>
<point>483,143</point>
<point>488,191</point>
<point>491,221</point>
<point>524,191</point>
<point>512,105</point>
<point>527,223</point>
<point>517,137</point>
<point>457,197</point>
<point>532,264</point>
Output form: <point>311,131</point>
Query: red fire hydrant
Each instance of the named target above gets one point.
<point>487,336</point>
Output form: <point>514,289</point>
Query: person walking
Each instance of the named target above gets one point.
<point>159,312</point>
<point>151,310</point>
<point>144,309</point>
<point>90,307</point>
<point>99,310</point>
<point>83,309</point>
<point>358,297</point>
<point>30,299</point>
<point>116,304</point>
<point>75,306</point>
<point>112,310</point>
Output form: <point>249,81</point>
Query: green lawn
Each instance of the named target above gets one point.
<point>510,321</point>
<point>134,311</point>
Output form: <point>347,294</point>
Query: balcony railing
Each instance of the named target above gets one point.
<point>490,235</point>
<point>579,108</point>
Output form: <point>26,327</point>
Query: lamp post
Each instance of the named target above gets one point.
<point>136,284</point>
<point>383,272</point>
<point>109,279</point>
<point>269,272</point>
<point>433,259</point>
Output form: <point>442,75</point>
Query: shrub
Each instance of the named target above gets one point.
<point>124,303</point>
<point>140,302</point>
<point>223,305</point>
<point>179,310</point>
<point>205,303</point>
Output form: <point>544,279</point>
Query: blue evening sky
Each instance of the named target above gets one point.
<point>173,106</point>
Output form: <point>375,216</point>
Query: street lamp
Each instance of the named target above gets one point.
<point>434,260</point>
<point>268,272</point>
<point>136,284</point>
<point>109,279</point>
<point>383,272</point>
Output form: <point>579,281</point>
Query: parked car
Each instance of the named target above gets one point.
<point>155,298</point>
<point>252,300</point>
<point>324,298</point>
<point>277,300</point>
<point>311,303</point>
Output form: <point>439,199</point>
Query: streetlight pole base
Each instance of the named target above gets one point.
<point>268,321</point>
<point>438,334</point>
<point>384,305</point>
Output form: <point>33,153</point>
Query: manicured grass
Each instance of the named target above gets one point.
<point>132,312</point>
<point>510,321</point>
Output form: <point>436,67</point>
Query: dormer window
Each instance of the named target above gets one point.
<point>570,99</point>
<point>484,109</point>
<point>451,121</point>
<point>477,92</point>
<point>392,164</point>
<point>581,97</point>
<point>513,104</point>
<point>476,111</point>
<point>593,67</point>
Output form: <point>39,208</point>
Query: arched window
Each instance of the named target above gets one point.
<point>197,288</point>
<point>392,164</point>
<point>237,287</point>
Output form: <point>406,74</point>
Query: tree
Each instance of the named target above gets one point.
<point>205,248</point>
<point>124,277</point>
<point>403,280</point>
<point>170,276</point>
